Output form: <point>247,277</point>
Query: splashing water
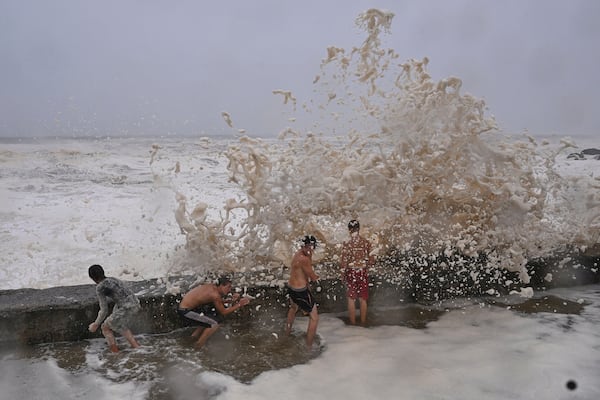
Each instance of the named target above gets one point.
<point>420,164</point>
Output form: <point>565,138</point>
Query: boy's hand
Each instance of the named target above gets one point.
<point>93,327</point>
<point>244,301</point>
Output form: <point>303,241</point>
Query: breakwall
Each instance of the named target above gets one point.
<point>30,316</point>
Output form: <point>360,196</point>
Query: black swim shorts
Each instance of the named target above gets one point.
<point>303,298</point>
<point>205,316</point>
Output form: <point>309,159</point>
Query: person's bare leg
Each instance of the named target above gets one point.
<point>205,335</point>
<point>197,331</point>
<point>110,338</point>
<point>127,334</point>
<point>291,316</point>
<point>363,311</point>
<point>312,326</point>
<point>351,311</point>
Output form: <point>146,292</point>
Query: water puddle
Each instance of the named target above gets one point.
<point>546,303</point>
<point>415,317</point>
<point>242,351</point>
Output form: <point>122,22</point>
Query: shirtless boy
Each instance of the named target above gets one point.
<point>300,296</point>
<point>204,304</point>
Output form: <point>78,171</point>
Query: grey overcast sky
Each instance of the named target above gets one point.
<point>76,68</point>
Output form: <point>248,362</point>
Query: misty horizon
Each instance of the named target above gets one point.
<point>158,69</point>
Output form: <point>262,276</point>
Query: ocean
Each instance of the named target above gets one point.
<point>420,164</point>
<point>156,207</point>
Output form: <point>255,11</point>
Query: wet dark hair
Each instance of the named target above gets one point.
<point>310,240</point>
<point>96,272</point>
<point>353,225</point>
<point>223,280</point>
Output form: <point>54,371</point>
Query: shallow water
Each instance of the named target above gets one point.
<point>547,340</point>
<point>163,363</point>
<point>240,350</point>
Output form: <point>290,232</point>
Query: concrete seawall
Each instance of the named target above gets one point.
<point>30,316</point>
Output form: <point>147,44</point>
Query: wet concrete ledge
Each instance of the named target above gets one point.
<point>30,316</point>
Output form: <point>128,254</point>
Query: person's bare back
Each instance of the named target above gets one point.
<point>209,295</point>
<point>298,289</point>
<point>200,295</point>
<point>301,269</point>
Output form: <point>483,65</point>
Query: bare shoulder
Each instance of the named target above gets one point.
<point>199,292</point>
<point>207,291</point>
<point>213,292</point>
<point>297,258</point>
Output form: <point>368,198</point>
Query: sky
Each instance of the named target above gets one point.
<point>126,68</point>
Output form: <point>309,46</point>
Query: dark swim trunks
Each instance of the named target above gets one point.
<point>303,298</point>
<point>205,316</point>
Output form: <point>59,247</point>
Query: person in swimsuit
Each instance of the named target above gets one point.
<point>300,296</point>
<point>126,305</point>
<point>205,306</point>
<point>355,260</point>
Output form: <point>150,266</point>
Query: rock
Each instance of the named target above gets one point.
<point>576,156</point>
<point>590,152</point>
<point>584,154</point>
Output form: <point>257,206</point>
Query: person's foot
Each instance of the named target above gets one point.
<point>114,348</point>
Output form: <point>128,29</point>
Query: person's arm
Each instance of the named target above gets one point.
<point>344,256</point>
<point>344,260</point>
<point>234,297</point>
<point>371,257</point>
<point>308,270</point>
<point>103,302</point>
<point>220,307</point>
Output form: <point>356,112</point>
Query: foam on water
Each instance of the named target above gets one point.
<point>472,349</point>
<point>66,203</point>
<point>23,379</point>
<point>469,354</point>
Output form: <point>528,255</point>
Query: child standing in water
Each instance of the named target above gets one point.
<point>126,305</point>
<point>355,262</point>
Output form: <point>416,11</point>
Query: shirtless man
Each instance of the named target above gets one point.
<point>300,296</point>
<point>204,305</point>
<point>126,305</point>
<point>355,262</point>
